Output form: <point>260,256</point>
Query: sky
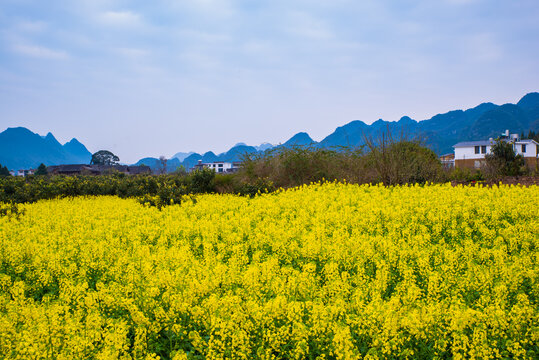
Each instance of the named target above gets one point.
<point>150,78</point>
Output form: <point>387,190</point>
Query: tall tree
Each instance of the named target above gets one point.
<point>104,157</point>
<point>4,171</point>
<point>503,160</point>
<point>163,162</point>
<point>41,170</point>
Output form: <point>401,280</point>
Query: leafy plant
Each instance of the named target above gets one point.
<point>504,161</point>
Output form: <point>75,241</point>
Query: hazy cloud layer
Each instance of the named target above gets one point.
<point>149,78</point>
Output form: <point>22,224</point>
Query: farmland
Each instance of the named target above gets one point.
<point>327,271</point>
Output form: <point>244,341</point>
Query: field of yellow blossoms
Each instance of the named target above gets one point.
<point>325,271</point>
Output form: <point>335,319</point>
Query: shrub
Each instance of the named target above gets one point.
<point>202,181</point>
<point>402,162</point>
<point>289,167</point>
<point>503,161</point>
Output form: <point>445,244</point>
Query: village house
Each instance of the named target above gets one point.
<point>218,166</point>
<point>471,154</point>
<point>22,172</point>
<point>448,160</point>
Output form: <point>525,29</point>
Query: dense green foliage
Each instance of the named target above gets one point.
<point>104,157</point>
<point>155,190</point>
<point>388,162</point>
<point>41,170</point>
<point>392,163</point>
<point>4,171</point>
<point>502,161</point>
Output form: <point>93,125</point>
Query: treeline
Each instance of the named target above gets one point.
<point>154,190</point>
<point>388,162</point>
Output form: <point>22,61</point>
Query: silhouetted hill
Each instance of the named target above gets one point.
<point>350,135</point>
<point>530,104</point>
<point>300,139</point>
<point>439,133</point>
<point>20,148</point>
<point>442,131</point>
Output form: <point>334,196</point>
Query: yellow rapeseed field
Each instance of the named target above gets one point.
<point>325,271</point>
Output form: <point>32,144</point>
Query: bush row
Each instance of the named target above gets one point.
<point>390,163</point>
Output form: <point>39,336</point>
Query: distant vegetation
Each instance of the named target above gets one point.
<point>153,190</point>
<point>383,160</point>
<point>389,162</point>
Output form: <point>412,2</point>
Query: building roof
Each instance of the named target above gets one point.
<point>474,143</point>
<point>527,141</point>
<point>492,142</point>
<point>68,167</point>
<point>135,170</point>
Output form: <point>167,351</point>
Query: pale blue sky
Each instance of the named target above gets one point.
<point>150,78</point>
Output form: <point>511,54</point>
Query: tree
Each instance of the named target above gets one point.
<point>503,161</point>
<point>41,170</point>
<point>180,170</point>
<point>163,162</point>
<point>4,171</point>
<point>104,157</point>
<point>401,161</point>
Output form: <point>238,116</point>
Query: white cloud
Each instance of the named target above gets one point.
<point>120,18</point>
<point>40,52</point>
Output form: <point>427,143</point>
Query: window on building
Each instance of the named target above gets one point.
<point>220,165</point>
<point>483,149</point>
<point>477,149</point>
<point>523,148</point>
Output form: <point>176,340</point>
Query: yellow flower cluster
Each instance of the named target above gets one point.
<point>325,271</point>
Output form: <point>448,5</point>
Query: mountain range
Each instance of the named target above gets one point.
<point>21,148</point>
<point>439,133</point>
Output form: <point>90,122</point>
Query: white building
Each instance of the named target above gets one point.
<point>471,154</point>
<point>24,172</point>
<point>219,166</point>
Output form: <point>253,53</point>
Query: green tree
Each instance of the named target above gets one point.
<point>503,161</point>
<point>180,171</point>
<point>4,171</point>
<point>41,170</point>
<point>104,157</point>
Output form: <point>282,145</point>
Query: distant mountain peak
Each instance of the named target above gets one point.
<point>21,148</point>
<point>19,130</point>
<point>529,101</point>
<point>52,140</point>
<point>50,136</point>
<point>406,119</point>
<point>301,139</point>
<point>264,146</point>
<point>72,141</point>
<point>182,155</point>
